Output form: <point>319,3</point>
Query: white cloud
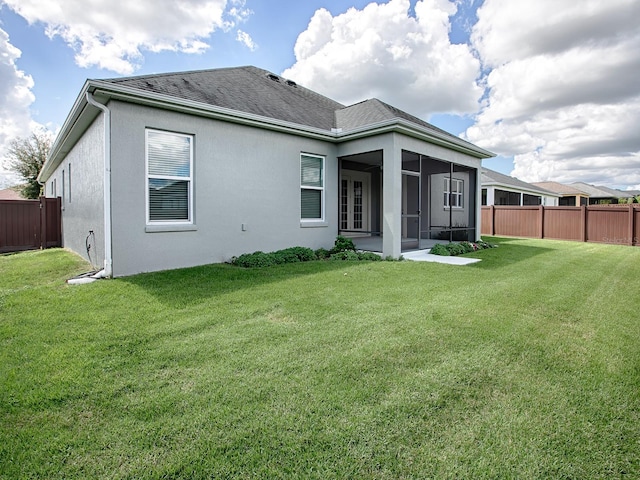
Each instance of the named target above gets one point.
<point>563,95</point>
<point>383,51</point>
<point>113,37</point>
<point>245,38</point>
<point>15,99</point>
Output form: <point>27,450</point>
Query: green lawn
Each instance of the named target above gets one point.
<point>525,365</point>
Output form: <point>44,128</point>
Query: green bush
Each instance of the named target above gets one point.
<point>467,247</point>
<point>459,248</point>
<point>322,253</point>
<point>344,249</point>
<point>255,259</point>
<point>345,255</point>
<point>369,256</point>
<point>343,244</point>
<point>303,254</point>
<point>439,249</point>
<point>285,256</point>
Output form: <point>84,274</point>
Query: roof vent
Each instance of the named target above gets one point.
<point>291,83</point>
<point>273,77</point>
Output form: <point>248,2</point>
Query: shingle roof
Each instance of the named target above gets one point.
<point>254,90</point>
<point>559,188</point>
<point>374,111</point>
<point>614,192</point>
<point>597,192</point>
<point>245,89</point>
<point>490,177</point>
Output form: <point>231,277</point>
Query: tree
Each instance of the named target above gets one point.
<point>25,156</point>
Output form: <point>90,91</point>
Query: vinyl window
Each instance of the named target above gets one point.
<point>454,187</point>
<point>311,187</point>
<point>169,160</point>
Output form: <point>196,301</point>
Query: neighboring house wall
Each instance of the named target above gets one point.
<point>82,192</point>
<point>507,196</point>
<point>243,176</point>
<point>439,212</point>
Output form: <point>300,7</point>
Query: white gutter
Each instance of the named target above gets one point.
<point>129,94</point>
<point>108,261</point>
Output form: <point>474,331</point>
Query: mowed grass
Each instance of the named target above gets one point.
<point>525,365</point>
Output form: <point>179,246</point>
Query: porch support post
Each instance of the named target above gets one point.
<point>391,200</point>
<point>478,213</point>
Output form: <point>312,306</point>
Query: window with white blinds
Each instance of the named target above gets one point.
<point>311,187</point>
<point>169,177</point>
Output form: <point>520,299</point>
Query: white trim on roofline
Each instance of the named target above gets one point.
<point>80,117</point>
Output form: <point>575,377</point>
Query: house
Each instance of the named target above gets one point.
<point>599,195</point>
<point>569,196</point>
<point>500,189</point>
<point>11,193</point>
<point>182,169</point>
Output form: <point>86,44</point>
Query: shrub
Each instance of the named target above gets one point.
<point>439,249</point>
<point>345,255</point>
<point>255,259</point>
<point>285,256</point>
<point>369,256</point>
<point>303,254</point>
<point>343,244</point>
<point>467,247</point>
<point>459,248</point>
<point>279,257</point>
<point>322,253</point>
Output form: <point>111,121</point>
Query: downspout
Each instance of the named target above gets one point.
<point>108,261</point>
<point>450,205</point>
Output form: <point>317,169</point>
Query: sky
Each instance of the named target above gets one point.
<point>552,87</point>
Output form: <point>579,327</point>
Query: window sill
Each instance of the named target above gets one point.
<point>171,228</point>
<point>313,224</point>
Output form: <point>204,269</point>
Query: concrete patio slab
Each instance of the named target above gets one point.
<point>425,256</point>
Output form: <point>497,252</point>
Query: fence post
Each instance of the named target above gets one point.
<point>541,221</point>
<point>492,230</point>
<point>583,223</point>
<point>43,223</point>
<point>631,225</point>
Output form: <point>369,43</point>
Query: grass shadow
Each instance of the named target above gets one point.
<point>186,286</point>
<point>509,251</point>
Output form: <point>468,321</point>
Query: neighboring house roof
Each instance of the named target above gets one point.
<point>559,188</point>
<point>250,96</point>
<point>12,193</point>
<point>598,192</point>
<point>614,192</point>
<point>493,178</point>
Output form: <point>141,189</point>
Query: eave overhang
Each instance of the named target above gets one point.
<point>82,115</point>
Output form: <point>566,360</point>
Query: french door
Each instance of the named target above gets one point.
<point>355,215</point>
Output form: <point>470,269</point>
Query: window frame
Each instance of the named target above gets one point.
<point>189,180</point>
<point>457,194</point>
<point>321,189</point>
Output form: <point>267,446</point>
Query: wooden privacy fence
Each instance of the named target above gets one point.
<point>30,224</point>
<point>594,223</point>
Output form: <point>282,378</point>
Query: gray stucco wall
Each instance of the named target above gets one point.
<point>440,213</point>
<point>83,194</point>
<point>242,176</point>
